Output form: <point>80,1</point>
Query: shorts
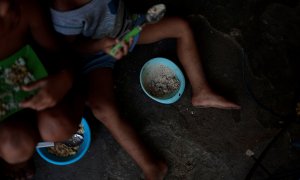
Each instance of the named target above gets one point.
<point>103,60</point>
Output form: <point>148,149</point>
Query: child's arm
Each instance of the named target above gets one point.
<point>92,46</point>
<point>40,25</point>
<point>53,88</point>
<point>89,46</point>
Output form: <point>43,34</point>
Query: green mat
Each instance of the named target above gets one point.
<point>13,66</point>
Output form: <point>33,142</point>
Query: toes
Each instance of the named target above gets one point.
<point>29,175</point>
<point>213,101</point>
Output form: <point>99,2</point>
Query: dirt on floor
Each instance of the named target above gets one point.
<point>250,53</point>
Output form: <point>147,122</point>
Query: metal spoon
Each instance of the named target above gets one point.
<point>75,140</point>
<point>154,14</point>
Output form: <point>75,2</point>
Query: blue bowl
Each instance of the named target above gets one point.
<point>53,159</point>
<point>150,66</point>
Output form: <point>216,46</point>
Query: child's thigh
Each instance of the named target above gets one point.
<point>100,86</point>
<point>169,27</point>
<point>61,121</point>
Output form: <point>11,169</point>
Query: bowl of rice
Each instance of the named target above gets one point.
<point>60,154</point>
<point>162,80</point>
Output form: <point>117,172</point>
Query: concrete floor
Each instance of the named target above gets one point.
<point>209,143</point>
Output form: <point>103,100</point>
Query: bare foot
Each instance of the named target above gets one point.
<point>210,99</point>
<point>157,172</point>
<point>22,171</point>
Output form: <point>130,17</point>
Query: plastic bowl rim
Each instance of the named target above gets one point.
<point>82,153</point>
<point>179,93</point>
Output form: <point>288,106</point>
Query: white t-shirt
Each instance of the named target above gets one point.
<point>96,19</point>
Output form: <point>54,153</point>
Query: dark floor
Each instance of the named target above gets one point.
<point>250,52</point>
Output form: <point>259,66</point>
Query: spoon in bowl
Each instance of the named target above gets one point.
<point>75,140</point>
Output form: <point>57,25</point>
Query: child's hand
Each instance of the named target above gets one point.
<point>109,43</point>
<point>50,91</point>
<point>106,43</point>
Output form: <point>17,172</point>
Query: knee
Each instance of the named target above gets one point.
<point>17,147</point>
<point>57,127</point>
<point>182,26</point>
<point>103,111</point>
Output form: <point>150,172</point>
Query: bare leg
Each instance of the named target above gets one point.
<point>188,55</point>
<point>60,122</point>
<point>18,136</point>
<point>102,102</point>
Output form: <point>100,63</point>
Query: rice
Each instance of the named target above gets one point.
<point>11,79</point>
<point>62,150</point>
<point>162,82</point>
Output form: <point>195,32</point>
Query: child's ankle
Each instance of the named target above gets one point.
<point>157,171</point>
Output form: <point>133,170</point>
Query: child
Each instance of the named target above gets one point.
<point>92,27</point>
<point>21,21</point>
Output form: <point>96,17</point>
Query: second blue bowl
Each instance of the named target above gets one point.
<point>149,67</point>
